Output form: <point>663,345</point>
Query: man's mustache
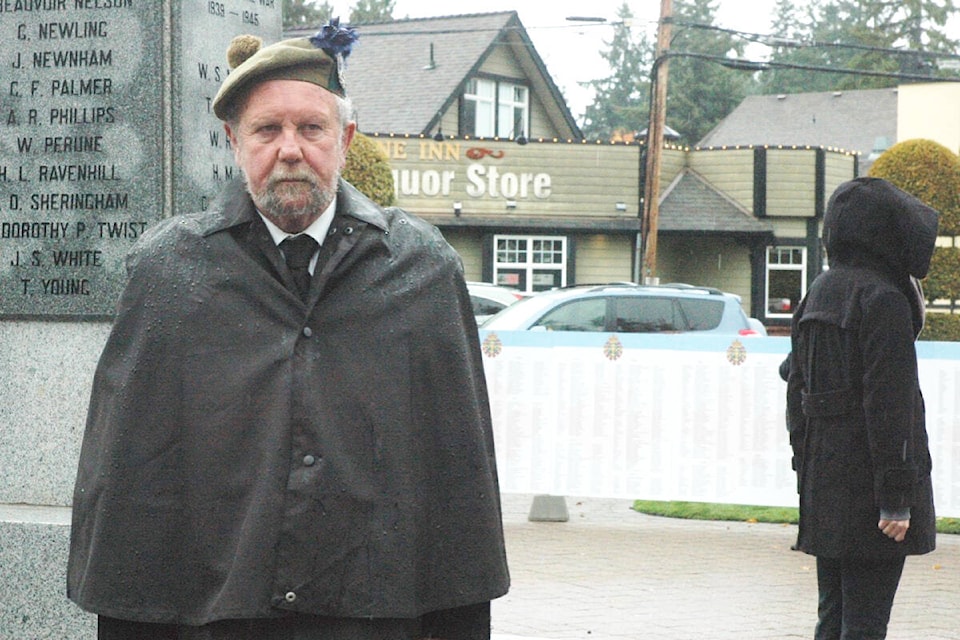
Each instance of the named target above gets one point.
<point>294,176</point>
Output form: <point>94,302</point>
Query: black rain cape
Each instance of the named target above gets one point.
<point>248,455</point>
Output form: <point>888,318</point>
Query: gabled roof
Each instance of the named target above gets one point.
<point>691,205</point>
<point>402,75</point>
<point>848,120</point>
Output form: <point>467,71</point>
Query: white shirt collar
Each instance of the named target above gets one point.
<point>317,230</point>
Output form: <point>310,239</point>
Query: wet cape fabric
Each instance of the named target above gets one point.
<point>248,455</point>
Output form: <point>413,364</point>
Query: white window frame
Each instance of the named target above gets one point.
<point>512,98</point>
<point>781,251</point>
<point>483,94</point>
<point>525,256</point>
<point>495,106</point>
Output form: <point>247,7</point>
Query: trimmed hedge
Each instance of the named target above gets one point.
<point>368,169</point>
<point>943,281</point>
<point>929,171</point>
<point>941,327</point>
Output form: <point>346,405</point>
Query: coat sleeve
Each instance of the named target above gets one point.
<point>891,398</point>
<point>792,372</point>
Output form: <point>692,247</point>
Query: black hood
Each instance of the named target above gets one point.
<point>871,218</point>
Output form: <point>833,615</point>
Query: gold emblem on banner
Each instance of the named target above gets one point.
<point>613,348</point>
<point>492,346</point>
<point>736,353</point>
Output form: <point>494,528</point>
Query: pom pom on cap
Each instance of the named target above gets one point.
<point>241,48</point>
<point>318,60</point>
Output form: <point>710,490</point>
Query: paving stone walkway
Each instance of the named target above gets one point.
<point>610,573</point>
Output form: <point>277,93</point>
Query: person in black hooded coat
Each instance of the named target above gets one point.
<point>855,411</point>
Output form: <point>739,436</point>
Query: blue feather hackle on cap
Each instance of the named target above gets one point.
<point>334,39</point>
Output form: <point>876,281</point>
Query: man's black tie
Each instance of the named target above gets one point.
<point>298,250</point>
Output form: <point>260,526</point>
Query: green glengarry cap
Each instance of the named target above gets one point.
<point>318,59</point>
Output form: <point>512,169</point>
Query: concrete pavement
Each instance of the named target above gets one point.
<point>610,573</point>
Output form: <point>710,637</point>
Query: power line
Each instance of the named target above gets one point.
<point>743,64</point>
<point>778,41</point>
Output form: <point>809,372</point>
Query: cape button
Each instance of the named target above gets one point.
<point>290,597</point>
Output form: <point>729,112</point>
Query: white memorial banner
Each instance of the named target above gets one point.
<point>671,417</point>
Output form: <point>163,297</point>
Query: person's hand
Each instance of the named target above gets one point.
<point>894,529</point>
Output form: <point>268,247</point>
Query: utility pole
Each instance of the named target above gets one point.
<point>658,114</point>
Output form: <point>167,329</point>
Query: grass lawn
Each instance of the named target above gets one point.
<point>744,513</point>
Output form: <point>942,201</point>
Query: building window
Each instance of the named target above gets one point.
<point>492,108</point>
<point>786,279</point>
<point>511,110</point>
<point>530,263</point>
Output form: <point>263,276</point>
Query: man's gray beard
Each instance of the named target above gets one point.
<point>276,207</point>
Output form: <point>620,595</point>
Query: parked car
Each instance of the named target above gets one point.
<point>779,305</point>
<point>629,308</point>
<point>488,298</point>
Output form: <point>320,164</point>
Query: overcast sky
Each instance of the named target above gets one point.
<point>571,50</point>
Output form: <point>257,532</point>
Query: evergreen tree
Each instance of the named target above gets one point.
<point>305,14</point>
<point>621,100</point>
<point>868,35</point>
<point>372,11</point>
<point>701,92</point>
<point>792,27</point>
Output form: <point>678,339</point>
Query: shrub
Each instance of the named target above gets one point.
<point>941,327</point>
<point>929,171</point>
<point>368,169</point>
<point>943,281</point>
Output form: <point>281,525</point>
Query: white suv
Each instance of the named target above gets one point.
<point>629,308</point>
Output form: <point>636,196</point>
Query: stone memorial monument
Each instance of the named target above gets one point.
<point>106,127</point>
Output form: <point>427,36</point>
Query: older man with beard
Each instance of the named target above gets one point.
<point>289,442</point>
